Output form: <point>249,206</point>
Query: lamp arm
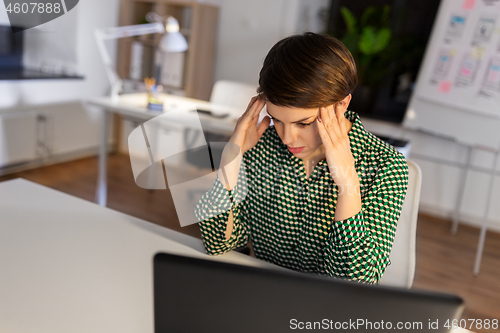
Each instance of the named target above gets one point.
<point>101,35</point>
<point>132,30</point>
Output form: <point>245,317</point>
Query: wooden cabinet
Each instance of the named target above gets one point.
<point>198,23</point>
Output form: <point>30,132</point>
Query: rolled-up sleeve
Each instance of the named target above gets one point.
<point>213,212</point>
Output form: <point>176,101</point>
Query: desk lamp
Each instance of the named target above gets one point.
<point>171,41</point>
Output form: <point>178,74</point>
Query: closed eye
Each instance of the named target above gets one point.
<point>302,125</point>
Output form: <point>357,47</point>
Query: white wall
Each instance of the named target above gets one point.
<point>60,48</point>
<point>65,42</point>
<point>248,29</point>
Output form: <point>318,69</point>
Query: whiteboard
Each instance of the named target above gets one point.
<point>458,87</point>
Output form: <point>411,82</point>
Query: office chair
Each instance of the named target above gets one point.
<point>232,93</point>
<point>401,271</point>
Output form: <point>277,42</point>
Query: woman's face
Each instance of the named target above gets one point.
<point>297,129</point>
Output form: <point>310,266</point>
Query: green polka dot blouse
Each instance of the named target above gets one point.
<point>289,219</point>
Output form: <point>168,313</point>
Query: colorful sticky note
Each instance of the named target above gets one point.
<point>445,87</point>
<point>478,52</point>
<point>468,4</point>
<point>494,74</point>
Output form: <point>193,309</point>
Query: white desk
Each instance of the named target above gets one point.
<point>68,265</point>
<point>134,106</point>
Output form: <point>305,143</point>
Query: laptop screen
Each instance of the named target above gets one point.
<point>195,295</point>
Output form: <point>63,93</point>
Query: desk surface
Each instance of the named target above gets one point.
<point>135,106</point>
<point>68,265</point>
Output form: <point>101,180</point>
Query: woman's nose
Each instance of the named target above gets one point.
<point>289,135</point>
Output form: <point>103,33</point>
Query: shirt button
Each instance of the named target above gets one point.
<point>293,247</point>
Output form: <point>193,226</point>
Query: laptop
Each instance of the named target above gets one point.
<point>196,295</point>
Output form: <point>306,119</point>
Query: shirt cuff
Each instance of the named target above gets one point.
<point>348,230</point>
<point>220,200</point>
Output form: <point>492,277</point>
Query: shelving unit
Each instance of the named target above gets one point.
<point>198,23</point>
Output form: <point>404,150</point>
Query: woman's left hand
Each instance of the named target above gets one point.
<point>332,126</point>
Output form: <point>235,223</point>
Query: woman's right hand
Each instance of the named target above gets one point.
<point>245,136</point>
<point>247,133</point>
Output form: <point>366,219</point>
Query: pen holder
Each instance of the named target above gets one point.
<point>155,103</point>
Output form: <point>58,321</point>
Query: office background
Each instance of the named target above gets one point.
<point>246,31</point>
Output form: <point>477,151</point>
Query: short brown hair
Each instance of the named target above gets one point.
<point>307,71</point>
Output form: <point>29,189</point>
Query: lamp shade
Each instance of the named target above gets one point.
<point>173,40</point>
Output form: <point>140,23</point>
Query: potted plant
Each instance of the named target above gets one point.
<point>367,38</point>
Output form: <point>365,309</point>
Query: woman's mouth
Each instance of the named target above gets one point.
<point>295,150</point>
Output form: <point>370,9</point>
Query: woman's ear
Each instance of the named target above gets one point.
<point>344,104</point>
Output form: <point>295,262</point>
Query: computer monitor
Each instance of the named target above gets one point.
<point>11,48</point>
<point>196,295</point>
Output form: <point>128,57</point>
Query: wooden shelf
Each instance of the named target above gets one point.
<point>198,23</point>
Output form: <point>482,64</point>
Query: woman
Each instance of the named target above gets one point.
<point>322,194</point>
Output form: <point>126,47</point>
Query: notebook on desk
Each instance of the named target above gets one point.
<point>195,295</point>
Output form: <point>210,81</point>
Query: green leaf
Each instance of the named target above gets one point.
<point>385,18</point>
<point>349,19</point>
<point>369,11</point>
<point>382,39</point>
<point>367,40</point>
<point>372,41</point>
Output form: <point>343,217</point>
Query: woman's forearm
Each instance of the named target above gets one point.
<point>230,165</point>
<point>349,199</point>
<point>228,175</point>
